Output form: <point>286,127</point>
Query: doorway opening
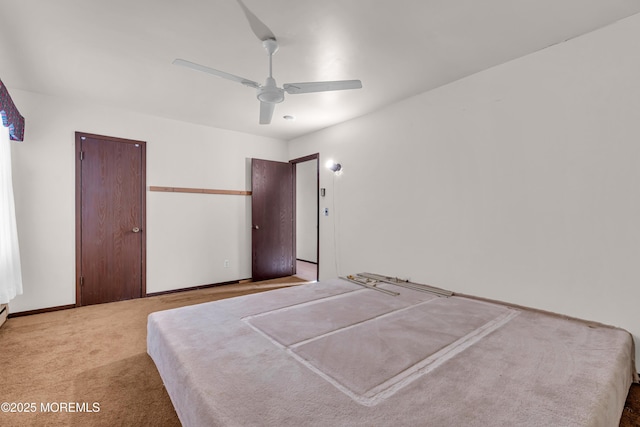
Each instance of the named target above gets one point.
<point>307,216</point>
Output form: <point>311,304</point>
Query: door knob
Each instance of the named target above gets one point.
<point>135,230</point>
<point>256,227</point>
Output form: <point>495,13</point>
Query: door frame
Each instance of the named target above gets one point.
<point>294,162</point>
<point>79,136</point>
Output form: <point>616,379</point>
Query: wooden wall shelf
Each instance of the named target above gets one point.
<point>199,190</point>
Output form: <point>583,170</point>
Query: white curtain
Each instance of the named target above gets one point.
<point>10,272</point>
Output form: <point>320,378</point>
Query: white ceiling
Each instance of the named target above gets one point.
<point>119,52</point>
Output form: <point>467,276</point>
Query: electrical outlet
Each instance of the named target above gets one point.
<point>226,263</point>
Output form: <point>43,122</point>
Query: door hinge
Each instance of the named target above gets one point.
<point>81,281</point>
<point>81,155</point>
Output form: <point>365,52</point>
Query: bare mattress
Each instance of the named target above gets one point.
<point>337,354</point>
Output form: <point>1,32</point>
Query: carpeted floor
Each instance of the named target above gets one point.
<point>97,354</point>
<point>93,354</point>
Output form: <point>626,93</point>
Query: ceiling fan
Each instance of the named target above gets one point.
<point>269,94</point>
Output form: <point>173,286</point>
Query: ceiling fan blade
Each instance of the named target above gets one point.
<point>215,72</point>
<point>294,88</point>
<point>259,28</point>
<point>266,112</point>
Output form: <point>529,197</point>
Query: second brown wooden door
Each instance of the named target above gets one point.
<point>273,216</point>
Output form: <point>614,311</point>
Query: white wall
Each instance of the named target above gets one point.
<point>188,235</point>
<point>307,211</point>
<point>520,183</point>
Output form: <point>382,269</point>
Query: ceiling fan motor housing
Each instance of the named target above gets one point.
<point>270,92</point>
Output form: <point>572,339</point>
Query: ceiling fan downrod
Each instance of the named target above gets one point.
<point>270,92</point>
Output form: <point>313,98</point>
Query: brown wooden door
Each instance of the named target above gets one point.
<point>273,216</point>
<point>110,180</point>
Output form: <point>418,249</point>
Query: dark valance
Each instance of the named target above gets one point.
<point>11,117</point>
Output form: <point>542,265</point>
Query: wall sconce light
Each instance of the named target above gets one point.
<point>333,165</point>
